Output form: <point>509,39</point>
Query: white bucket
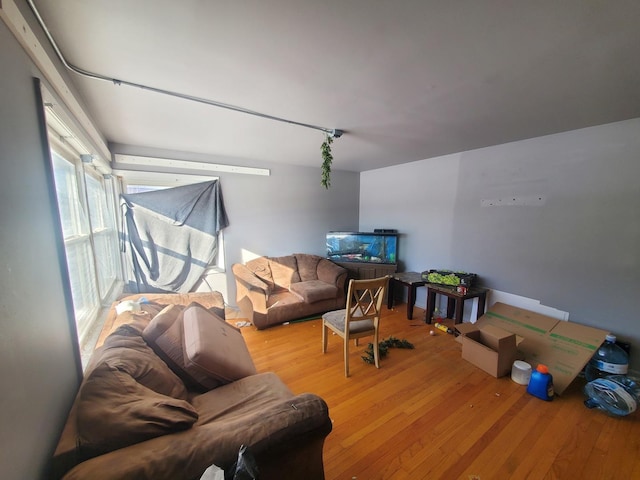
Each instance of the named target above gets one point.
<point>521,372</point>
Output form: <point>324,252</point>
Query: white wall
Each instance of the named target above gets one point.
<point>578,252</point>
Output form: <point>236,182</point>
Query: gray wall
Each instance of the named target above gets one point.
<point>578,252</point>
<point>38,367</point>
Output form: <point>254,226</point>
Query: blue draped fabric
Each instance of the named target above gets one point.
<point>172,235</point>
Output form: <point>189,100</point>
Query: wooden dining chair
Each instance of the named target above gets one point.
<point>360,318</point>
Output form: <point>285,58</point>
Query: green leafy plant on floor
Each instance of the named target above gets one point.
<point>383,348</point>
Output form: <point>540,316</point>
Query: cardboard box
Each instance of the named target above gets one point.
<point>490,348</point>
<point>565,347</point>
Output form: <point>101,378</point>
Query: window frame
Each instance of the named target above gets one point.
<point>87,319</point>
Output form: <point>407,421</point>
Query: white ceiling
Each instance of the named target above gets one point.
<point>406,80</point>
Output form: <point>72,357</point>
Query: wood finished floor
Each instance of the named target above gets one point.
<point>426,413</point>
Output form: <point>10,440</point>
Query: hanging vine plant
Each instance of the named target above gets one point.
<point>327,158</point>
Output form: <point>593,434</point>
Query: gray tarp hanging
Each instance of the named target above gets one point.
<point>172,235</point>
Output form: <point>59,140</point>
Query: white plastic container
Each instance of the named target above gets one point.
<point>521,372</point>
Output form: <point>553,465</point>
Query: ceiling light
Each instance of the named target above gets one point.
<point>154,162</point>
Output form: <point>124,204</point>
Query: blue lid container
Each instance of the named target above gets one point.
<point>541,383</point>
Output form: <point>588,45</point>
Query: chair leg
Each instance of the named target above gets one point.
<point>346,357</point>
<point>324,338</point>
<point>376,350</point>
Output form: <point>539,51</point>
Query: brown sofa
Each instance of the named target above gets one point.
<point>274,290</point>
<point>173,390</point>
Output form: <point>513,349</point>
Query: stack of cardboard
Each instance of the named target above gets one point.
<point>506,333</point>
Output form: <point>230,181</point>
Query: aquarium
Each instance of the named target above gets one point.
<point>362,247</point>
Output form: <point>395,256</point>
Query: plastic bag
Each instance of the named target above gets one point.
<point>245,467</point>
<point>213,473</point>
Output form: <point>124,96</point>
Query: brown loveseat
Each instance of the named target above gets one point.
<point>274,290</point>
<point>173,390</point>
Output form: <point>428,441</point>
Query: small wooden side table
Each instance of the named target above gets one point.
<point>412,280</point>
<point>455,300</point>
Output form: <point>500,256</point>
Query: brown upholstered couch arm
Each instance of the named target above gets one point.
<point>251,293</point>
<point>285,438</point>
<point>247,279</point>
<point>332,273</point>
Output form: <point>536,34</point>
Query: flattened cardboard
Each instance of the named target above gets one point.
<point>490,348</point>
<point>565,347</point>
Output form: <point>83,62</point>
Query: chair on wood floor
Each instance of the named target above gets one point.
<point>360,318</point>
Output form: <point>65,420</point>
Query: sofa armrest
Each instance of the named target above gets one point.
<point>248,280</point>
<point>285,430</point>
<point>251,295</point>
<point>332,273</point>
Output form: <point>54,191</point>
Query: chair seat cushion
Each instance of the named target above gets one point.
<point>336,318</point>
<point>313,291</point>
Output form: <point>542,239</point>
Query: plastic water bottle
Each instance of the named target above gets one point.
<point>616,395</point>
<point>541,383</point>
<point>609,359</point>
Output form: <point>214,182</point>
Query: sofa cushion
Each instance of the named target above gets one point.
<point>261,268</point>
<point>126,351</point>
<point>115,411</point>
<point>284,271</point>
<point>214,347</point>
<point>252,393</point>
<point>314,290</point>
<point>165,334</point>
<point>163,320</point>
<point>307,266</point>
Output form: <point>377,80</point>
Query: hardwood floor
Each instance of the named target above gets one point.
<point>426,413</point>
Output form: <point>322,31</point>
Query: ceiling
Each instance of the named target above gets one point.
<point>406,80</point>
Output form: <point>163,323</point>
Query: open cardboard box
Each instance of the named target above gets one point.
<point>490,348</point>
<point>565,347</point>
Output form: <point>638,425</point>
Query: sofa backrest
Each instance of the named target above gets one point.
<point>280,272</point>
<point>307,266</point>
<point>284,271</point>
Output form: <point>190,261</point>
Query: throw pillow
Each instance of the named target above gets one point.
<point>165,334</point>
<point>260,267</point>
<point>126,350</point>
<point>214,347</point>
<point>284,271</point>
<point>115,411</point>
<point>307,266</point>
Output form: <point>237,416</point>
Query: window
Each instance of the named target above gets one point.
<point>77,243</point>
<point>86,204</point>
<point>105,238</point>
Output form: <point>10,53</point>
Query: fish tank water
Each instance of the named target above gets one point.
<point>362,247</point>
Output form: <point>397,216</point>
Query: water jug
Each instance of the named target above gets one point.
<point>609,359</point>
<point>616,395</point>
<point>541,383</point>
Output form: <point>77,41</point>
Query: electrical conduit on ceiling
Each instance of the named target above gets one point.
<point>331,132</point>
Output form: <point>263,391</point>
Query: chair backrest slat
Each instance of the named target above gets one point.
<point>364,299</point>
